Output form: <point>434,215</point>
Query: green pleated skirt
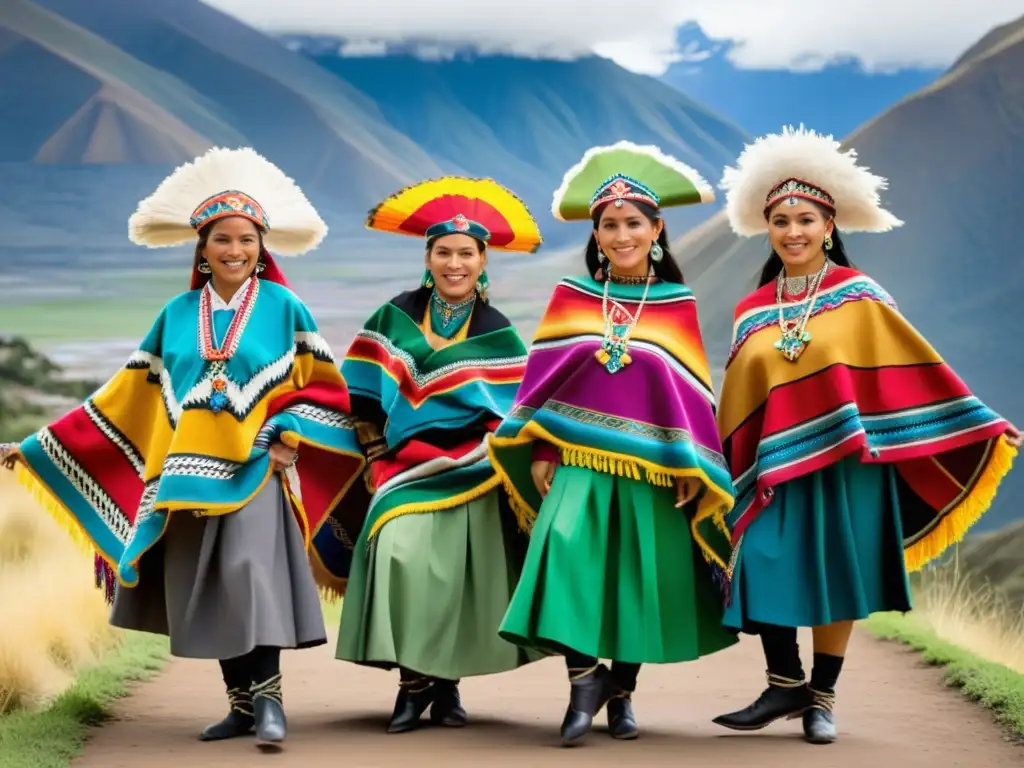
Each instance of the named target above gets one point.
<point>430,592</point>
<point>612,571</point>
<point>828,548</point>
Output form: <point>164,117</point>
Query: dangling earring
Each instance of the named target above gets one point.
<point>604,268</point>
<point>657,252</point>
<point>482,284</point>
<point>828,243</point>
<point>260,266</point>
<point>204,266</point>
<point>427,281</point>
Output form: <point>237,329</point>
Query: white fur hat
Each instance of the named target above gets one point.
<point>799,163</point>
<point>228,182</point>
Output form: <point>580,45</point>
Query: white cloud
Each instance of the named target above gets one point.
<point>641,35</point>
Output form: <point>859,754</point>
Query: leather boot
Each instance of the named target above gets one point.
<point>239,720</point>
<point>268,708</point>
<point>782,698</point>
<point>447,708</point>
<point>819,722</point>
<point>590,690</point>
<point>415,694</point>
<point>621,720</point>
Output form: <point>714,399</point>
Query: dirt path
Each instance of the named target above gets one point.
<point>892,711</point>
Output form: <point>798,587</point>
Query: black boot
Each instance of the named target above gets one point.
<point>591,687</point>
<point>787,694</point>
<point>783,698</point>
<point>447,708</point>
<point>819,720</point>
<point>239,720</point>
<point>621,720</point>
<point>268,708</point>
<point>415,694</point>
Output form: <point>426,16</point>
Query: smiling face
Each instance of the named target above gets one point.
<point>456,263</point>
<point>797,233</point>
<point>232,250</point>
<point>625,236</point>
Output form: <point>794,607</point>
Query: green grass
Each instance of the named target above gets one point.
<point>994,686</point>
<point>52,737</point>
<point>96,319</point>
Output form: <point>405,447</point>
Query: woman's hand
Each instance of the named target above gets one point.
<point>542,472</point>
<point>282,457</point>
<point>687,489</point>
<point>8,455</point>
<point>1013,436</point>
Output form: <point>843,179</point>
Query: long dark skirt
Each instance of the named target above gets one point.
<point>220,586</point>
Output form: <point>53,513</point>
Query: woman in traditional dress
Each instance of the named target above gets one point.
<point>181,471</point>
<point>611,446</point>
<point>856,452</point>
<point>433,371</point>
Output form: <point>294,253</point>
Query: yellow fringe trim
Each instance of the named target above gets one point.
<point>61,515</point>
<point>581,457</point>
<point>331,588</point>
<point>954,526</point>
<point>418,508</point>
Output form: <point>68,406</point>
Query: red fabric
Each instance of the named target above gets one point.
<point>545,451</point>
<point>414,453</point>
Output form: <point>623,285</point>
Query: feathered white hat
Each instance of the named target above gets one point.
<point>228,182</point>
<point>799,163</point>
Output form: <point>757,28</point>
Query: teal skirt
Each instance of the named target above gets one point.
<point>828,548</point>
<point>612,571</point>
<point>430,593</point>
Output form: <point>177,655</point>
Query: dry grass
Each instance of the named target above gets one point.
<point>54,619</point>
<point>971,613</point>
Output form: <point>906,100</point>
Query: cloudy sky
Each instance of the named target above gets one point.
<point>640,34</point>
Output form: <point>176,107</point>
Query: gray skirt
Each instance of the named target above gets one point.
<point>219,586</point>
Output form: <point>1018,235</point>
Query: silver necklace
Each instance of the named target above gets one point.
<point>795,336</point>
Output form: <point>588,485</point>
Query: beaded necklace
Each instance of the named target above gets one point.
<point>619,323</point>
<point>446,319</point>
<point>219,355</point>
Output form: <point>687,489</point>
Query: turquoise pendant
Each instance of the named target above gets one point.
<point>614,348</point>
<point>792,346</point>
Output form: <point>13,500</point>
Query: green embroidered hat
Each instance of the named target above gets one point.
<point>627,172</point>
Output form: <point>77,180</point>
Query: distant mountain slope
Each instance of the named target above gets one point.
<point>835,99</point>
<point>526,121</point>
<point>953,154</point>
<point>121,91</point>
<point>69,96</point>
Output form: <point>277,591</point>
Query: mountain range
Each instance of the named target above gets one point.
<point>835,99</point>
<point>953,154</point>
<point>112,94</point>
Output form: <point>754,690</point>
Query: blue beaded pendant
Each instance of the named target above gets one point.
<point>792,347</point>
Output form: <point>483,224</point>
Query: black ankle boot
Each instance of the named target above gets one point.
<point>268,709</point>
<point>782,698</point>
<point>590,690</point>
<point>447,708</point>
<point>415,694</point>
<point>819,722</point>
<point>621,720</point>
<point>239,720</point>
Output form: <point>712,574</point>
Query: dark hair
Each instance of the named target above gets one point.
<point>207,230</point>
<point>667,269</point>
<point>836,254</point>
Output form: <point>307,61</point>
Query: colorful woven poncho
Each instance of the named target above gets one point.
<point>868,384</point>
<point>148,444</point>
<point>433,407</point>
<point>653,420</point>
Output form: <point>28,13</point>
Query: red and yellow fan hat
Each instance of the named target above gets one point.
<point>450,205</point>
